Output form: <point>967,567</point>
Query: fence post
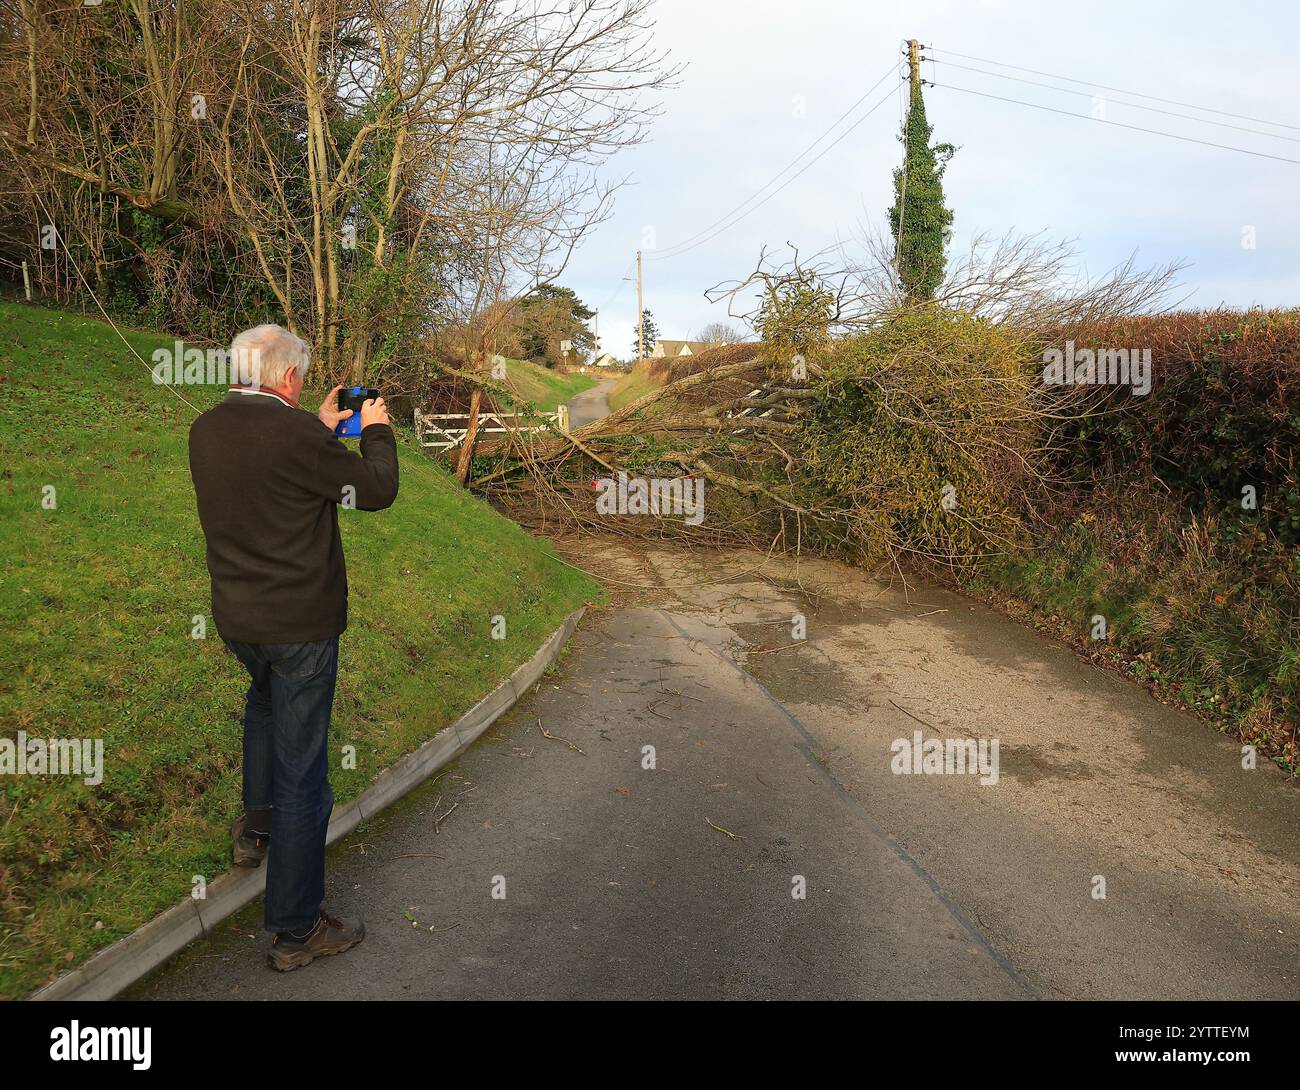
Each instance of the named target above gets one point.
<point>562,413</point>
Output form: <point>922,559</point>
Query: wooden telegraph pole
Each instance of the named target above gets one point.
<point>914,69</point>
<point>640,311</point>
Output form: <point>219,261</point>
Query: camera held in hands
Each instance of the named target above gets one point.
<point>353,398</point>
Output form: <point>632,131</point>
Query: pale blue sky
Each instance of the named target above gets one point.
<point>765,78</point>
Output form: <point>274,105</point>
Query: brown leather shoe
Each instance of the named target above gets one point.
<point>330,936</point>
<point>250,850</point>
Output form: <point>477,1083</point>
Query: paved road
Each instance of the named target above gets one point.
<point>772,772</point>
<point>591,404</point>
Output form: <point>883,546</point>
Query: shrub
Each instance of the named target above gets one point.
<point>1223,412</point>
<point>930,405</point>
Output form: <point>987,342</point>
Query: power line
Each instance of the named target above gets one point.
<point>1120,90</point>
<point>689,243</point>
<point>788,181</point>
<point>622,283</point>
<point>1121,102</point>
<point>1119,124</point>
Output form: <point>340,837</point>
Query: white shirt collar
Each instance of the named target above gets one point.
<point>262,393</point>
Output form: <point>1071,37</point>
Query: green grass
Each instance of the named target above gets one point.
<point>99,596</point>
<point>543,387</point>
<point>636,383</point>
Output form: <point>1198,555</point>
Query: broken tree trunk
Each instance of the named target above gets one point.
<point>471,434</point>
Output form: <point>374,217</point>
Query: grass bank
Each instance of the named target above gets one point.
<point>1201,608</point>
<point>101,589</point>
<point>636,383</point>
<point>1181,525</point>
<point>543,387</point>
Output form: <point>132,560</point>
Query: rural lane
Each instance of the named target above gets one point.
<point>590,405</point>
<point>552,862</point>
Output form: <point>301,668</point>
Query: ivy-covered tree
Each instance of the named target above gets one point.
<point>918,220</point>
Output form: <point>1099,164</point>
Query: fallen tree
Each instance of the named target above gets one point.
<point>863,426</point>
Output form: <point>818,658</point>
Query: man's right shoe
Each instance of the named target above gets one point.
<point>250,849</point>
<point>330,936</point>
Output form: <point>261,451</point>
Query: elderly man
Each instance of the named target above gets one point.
<point>269,478</point>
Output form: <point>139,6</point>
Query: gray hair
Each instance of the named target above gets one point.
<point>266,354</point>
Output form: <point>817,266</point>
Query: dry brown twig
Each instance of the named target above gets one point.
<point>556,738</point>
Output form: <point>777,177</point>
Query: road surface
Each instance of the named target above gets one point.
<point>712,813</point>
<point>590,405</point>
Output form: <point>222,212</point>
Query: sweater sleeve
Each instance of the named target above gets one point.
<point>366,481</point>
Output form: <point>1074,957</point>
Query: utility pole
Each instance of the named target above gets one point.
<point>640,312</point>
<point>914,68</point>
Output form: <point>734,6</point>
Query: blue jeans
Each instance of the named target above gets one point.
<point>286,767</point>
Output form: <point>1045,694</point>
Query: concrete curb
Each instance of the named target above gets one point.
<point>117,967</point>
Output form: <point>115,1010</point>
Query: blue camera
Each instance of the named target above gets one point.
<point>353,399</point>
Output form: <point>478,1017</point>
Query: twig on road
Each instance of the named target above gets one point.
<point>556,738</point>
<point>727,832</point>
<point>783,647</point>
<point>916,717</point>
<point>430,929</point>
<point>437,822</point>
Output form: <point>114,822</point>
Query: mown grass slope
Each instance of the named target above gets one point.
<point>99,597</point>
<point>543,387</point>
<point>636,383</point>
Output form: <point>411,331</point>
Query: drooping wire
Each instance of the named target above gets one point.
<point>1119,90</point>
<point>1119,124</point>
<point>1121,102</point>
<point>719,225</point>
<point>91,292</point>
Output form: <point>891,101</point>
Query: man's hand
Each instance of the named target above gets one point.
<point>329,413</point>
<point>373,412</point>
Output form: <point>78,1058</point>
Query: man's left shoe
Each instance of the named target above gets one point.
<point>330,936</point>
<point>250,848</point>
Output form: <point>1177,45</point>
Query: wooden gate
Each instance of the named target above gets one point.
<point>446,431</point>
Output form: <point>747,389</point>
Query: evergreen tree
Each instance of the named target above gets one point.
<point>918,202</point>
<point>549,315</point>
<point>651,335</point>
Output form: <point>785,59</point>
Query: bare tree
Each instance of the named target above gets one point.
<point>360,163</point>
<point>720,333</point>
<point>486,120</point>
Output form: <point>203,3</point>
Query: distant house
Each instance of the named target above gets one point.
<point>673,349</point>
<point>606,360</point>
